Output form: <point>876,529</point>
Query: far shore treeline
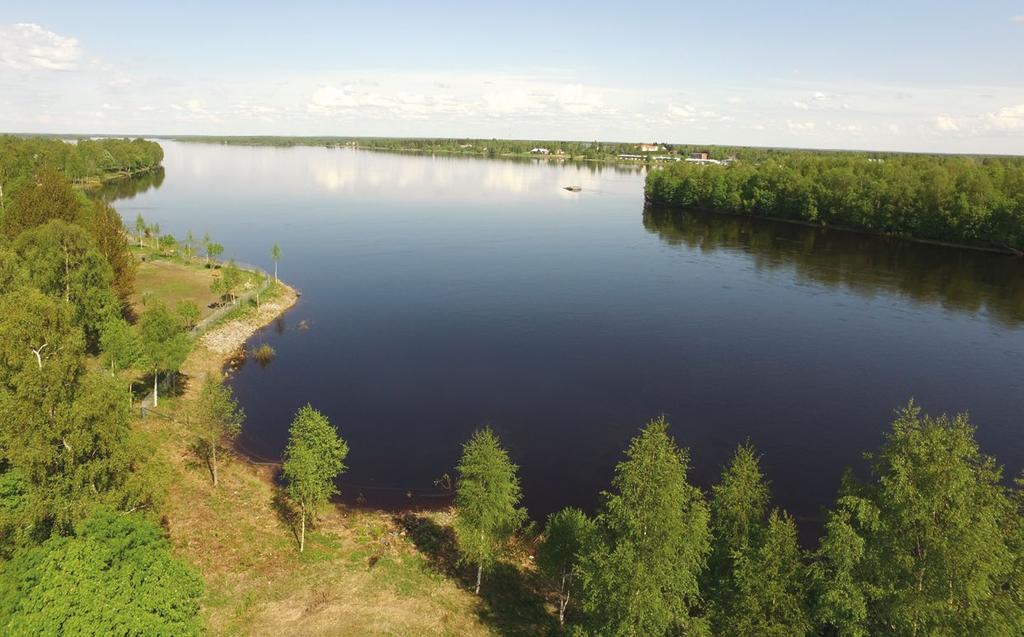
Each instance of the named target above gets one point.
<point>976,201</point>
<point>930,541</point>
<point>85,161</point>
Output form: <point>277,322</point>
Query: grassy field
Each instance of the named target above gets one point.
<point>172,279</point>
<point>363,572</point>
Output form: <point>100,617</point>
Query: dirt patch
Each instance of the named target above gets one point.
<point>229,337</point>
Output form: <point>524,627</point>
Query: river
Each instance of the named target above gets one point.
<point>440,294</point>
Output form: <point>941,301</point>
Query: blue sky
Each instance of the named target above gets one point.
<point>925,76</point>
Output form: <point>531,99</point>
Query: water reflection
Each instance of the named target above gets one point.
<point>393,176</point>
<point>441,293</point>
<point>965,280</point>
<point>130,187</point>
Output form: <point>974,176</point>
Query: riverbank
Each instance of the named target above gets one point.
<point>93,183</point>
<point>964,201</point>
<point>363,572</point>
<point>648,203</point>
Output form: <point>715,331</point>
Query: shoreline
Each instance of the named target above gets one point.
<point>231,336</point>
<point>214,350</point>
<point>1010,252</point>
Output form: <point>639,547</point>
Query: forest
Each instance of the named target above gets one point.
<point>87,161</point>
<point>930,541</point>
<point>976,201</point>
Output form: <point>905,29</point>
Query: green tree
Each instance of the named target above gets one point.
<point>45,197</point>
<point>275,254</point>
<point>925,548</point>
<point>217,419</point>
<point>189,245</point>
<point>62,261</point>
<point>107,229</point>
<point>642,573</point>
<point>739,509</point>
<point>228,281</point>
<point>66,431</point>
<point>770,582</point>
<point>42,352</point>
<point>188,313</point>
<point>567,535</point>
<point>168,244</point>
<point>314,457</point>
<point>14,520</point>
<point>120,345</point>
<point>114,576</point>
<point>487,495</point>
<point>164,344</point>
<point>213,250</point>
<point>140,227</point>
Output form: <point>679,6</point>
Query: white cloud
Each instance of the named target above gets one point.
<point>945,123</point>
<point>820,97</point>
<point>853,129</point>
<point>1019,19</point>
<point>26,46</point>
<point>800,127</point>
<point>800,106</point>
<point>579,99</point>
<point>1007,118</point>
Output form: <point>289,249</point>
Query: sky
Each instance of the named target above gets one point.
<point>909,75</point>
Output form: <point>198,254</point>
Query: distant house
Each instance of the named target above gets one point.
<point>540,151</point>
<point>650,148</point>
<point>703,159</point>
<point>629,157</point>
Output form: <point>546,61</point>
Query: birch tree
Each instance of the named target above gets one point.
<point>642,574</point>
<point>929,546</point>
<point>314,457</point>
<point>275,254</point>
<point>487,495</point>
<point>217,419</point>
<point>164,344</point>
<point>566,536</point>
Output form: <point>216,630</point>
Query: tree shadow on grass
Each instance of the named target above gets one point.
<point>286,513</point>
<point>435,542</point>
<point>511,600</point>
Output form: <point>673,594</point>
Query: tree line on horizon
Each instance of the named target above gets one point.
<point>83,161</point>
<point>976,201</point>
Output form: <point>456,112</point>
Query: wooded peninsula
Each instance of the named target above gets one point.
<point>116,520</point>
<point>975,201</point>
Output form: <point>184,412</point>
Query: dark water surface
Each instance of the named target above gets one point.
<point>440,294</point>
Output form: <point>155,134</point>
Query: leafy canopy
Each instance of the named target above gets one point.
<point>928,546</point>
<point>487,496</point>
<point>116,575</point>
<point>313,458</point>
<point>641,577</point>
